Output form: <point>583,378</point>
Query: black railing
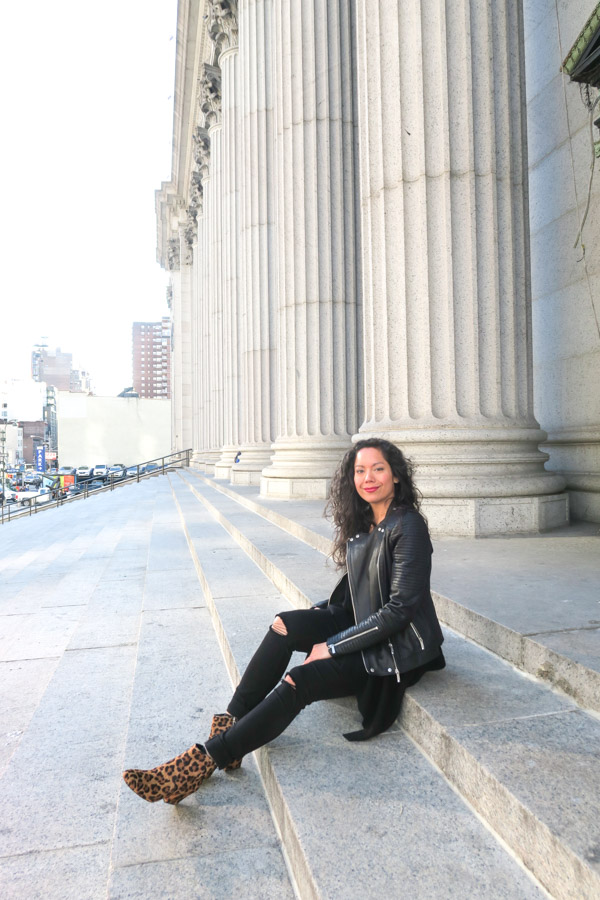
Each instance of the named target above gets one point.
<point>147,469</point>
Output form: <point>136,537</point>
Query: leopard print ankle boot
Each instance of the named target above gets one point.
<point>221,723</point>
<point>173,780</point>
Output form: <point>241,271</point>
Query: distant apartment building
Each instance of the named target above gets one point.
<point>152,359</point>
<point>56,369</point>
<point>53,368</point>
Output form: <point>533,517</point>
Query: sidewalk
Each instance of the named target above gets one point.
<point>109,657</point>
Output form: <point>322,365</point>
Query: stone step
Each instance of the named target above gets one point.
<point>538,622</point>
<point>118,685</point>
<point>525,757</point>
<point>460,733</point>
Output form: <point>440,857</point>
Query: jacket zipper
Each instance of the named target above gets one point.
<point>354,636</point>
<point>419,638</point>
<point>381,601</point>
<point>394,658</point>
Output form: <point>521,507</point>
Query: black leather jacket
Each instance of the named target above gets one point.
<point>388,574</point>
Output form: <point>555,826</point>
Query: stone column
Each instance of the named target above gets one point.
<point>317,347</point>
<point>196,210</point>
<point>195,348</point>
<point>258,334</point>
<point>446,286</point>
<point>184,337</point>
<point>175,304</point>
<point>224,32</point>
<point>213,281</point>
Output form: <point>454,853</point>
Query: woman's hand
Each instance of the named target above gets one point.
<point>319,651</point>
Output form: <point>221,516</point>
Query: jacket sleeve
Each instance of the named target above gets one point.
<point>409,580</point>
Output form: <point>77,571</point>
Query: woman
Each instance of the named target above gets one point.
<point>376,635</point>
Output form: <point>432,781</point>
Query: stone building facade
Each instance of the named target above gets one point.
<point>347,232</point>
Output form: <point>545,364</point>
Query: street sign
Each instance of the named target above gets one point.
<point>40,458</point>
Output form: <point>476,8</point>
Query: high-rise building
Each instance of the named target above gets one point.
<point>152,358</point>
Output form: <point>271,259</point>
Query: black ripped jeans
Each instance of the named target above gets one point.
<point>264,710</point>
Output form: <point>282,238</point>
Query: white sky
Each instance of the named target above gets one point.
<point>86,105</point>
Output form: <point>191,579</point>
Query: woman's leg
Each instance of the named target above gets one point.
<point>304,628</point>
<point>324,679</point>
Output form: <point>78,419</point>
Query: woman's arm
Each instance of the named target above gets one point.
<point>409,578</point>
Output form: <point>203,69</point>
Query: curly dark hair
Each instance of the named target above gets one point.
<point>349,512</point>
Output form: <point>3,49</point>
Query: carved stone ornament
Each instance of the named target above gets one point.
<point>210,95</point>
<point>223,24</point>
<point>190,234</point>
<point>173,255</point>
<point>201,151</point>
<point>196,204</point>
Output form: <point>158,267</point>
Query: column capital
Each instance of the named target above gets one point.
<point>223,25</point>
<point>210,95</point>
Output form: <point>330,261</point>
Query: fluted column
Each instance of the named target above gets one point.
<point>175,295</point>
<point>258,333</point>
<point>316,224</point>
<point>199,387</point>
<point>214,269</point>
<point>224,32</point>
<point>195,353</point>
<point>184,349</point>
<point>446,287</point>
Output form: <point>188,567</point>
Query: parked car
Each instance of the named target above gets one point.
<point>7,494</point>
<point>152,467</point>
<point>100,470</point>
<point>67,470</point>
<point>117,471</point>
<point>25,496</point>
<point>84,471</point>
<point>94,485</point>
<point>133,470</point>
<point>32,478</point>
<point>74,489</point>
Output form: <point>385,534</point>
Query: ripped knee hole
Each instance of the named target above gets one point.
<point>290,680</point>
<point>278,626</point>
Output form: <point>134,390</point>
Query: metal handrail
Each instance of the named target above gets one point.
<point>167,462</point>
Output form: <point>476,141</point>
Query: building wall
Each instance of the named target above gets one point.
<point>565,280</point>
<point>13,446</point>
<point>376,250</point>
<point>34,433</point>
<point>53,368</point>
<point>93,430</point>
<point>24,399</point>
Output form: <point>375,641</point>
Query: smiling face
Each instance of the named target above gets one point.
<point>373,477</point>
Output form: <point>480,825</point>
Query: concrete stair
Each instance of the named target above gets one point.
<point>123,622</point>
<point>523,756</point>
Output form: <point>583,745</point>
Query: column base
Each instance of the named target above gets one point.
<point>482,481</point>
<point>253,460</point>
<point>225,462</point>
<point>302,470</point>
<point>575,453</point>
<point>197,461</point>
<point>486,516</point>
<point>211,458</point>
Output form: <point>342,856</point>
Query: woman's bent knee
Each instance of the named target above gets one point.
<point>278,626</point>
